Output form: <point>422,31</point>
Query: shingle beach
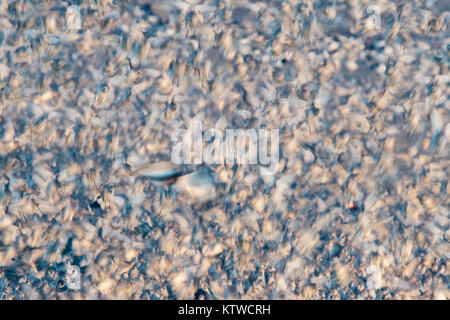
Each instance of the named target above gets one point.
<point>358,206</point>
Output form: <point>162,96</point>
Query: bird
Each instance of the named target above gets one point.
<point>198,185</point>
<point>195,185</point>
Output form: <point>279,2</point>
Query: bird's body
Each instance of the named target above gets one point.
<point>198,185</point>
